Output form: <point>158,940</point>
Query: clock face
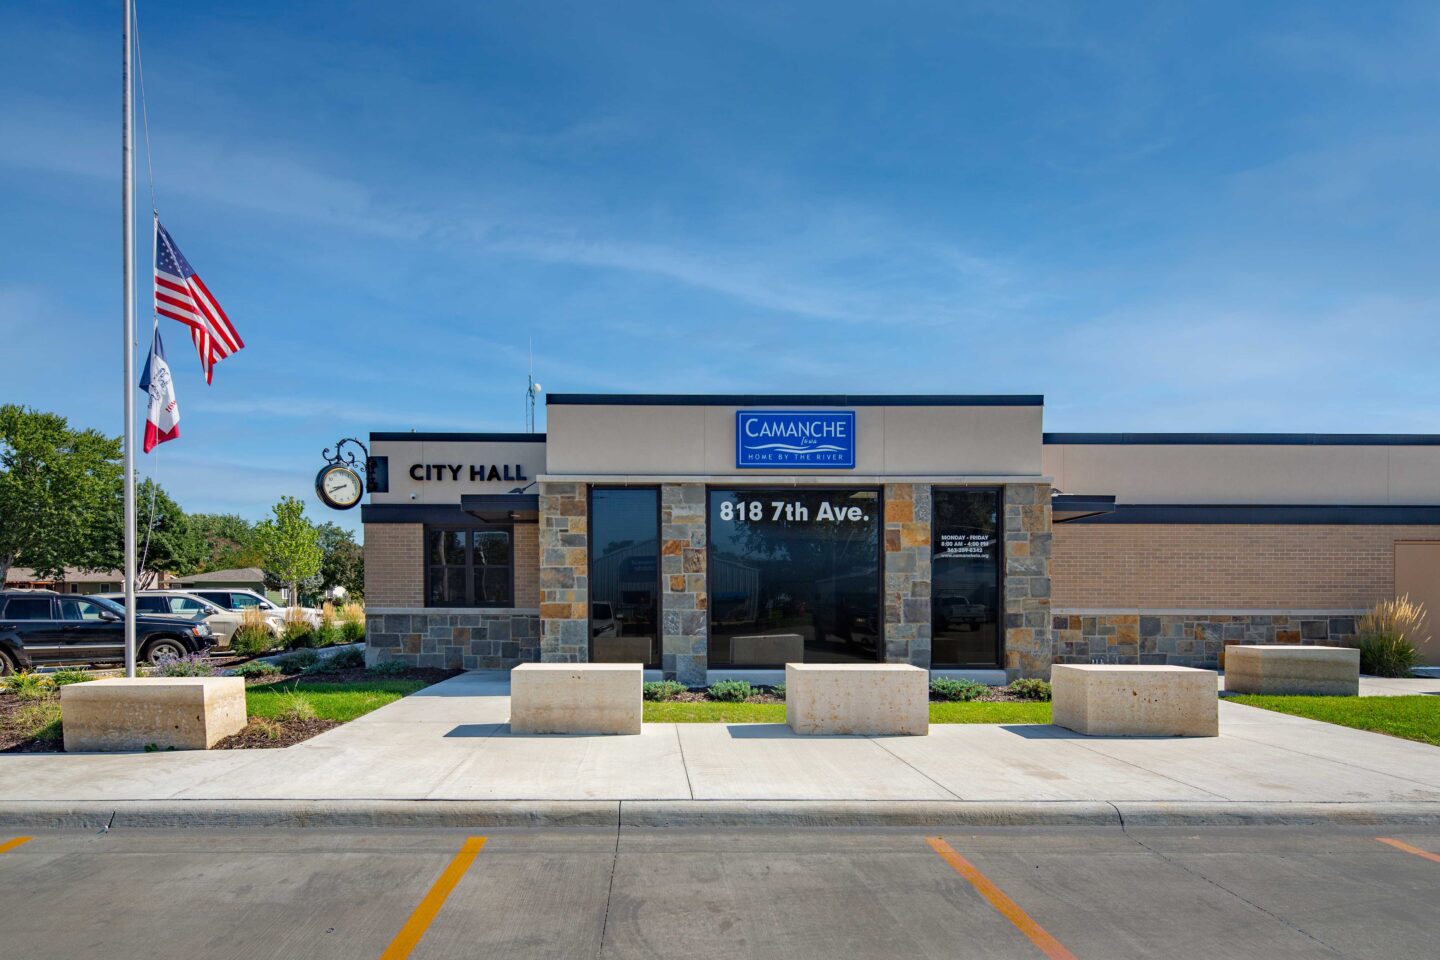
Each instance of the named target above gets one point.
<point>339,487</point>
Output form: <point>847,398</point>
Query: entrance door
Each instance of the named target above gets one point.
<point>965,578</point>
<point>794,576</point>
<point>1417,574</point>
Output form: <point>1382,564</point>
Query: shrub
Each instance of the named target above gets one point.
<point>1384,637</point>
<point>297,661</point>
<point>190,665</point>
<point>298,634</point>
<point>949,688</point>
<point>350,659</point>
<point>328,634</point>
<point>778,691</point>
<point>253,637</point>
<point>28,686</point>
<point>1028,688</point>
<point>352,631</point>
<point>662,689</point>
<point>256,668</point>
<point>62,678</point>
<point>267,728</point>
<point>731,691</point>
<point>390,668</point>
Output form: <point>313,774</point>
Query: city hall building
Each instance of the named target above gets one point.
<point>721,533</point>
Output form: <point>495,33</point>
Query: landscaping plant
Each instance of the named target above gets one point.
<point>256,668</point>
<point>778,691</point>
<point>1384,637</point>
<point>190,665</point>
<point>297,661</point>
<point>731,691</point>
<point>253,636</point>
<point>28,686</point>
<point>390,668</point>
<point>298,633</point>
<point>351,659</point>
<point>69,675</point>
<point>662,689</point>
<point>949,688</point>
<point>1029,688</point>
<point>328,633</point>
<point>352,622</point>
<point>40,720</point>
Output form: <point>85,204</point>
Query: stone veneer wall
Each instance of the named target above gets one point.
<point>564,573</point>
<point>907,573</point>
<point>684,603</point>
<point>452,639</point>
<point>1028,645</point>
<point>1189,638</point>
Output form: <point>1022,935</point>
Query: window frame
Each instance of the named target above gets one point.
<point>999,493</point>
<point>659,648</point>
<point>470,566</point>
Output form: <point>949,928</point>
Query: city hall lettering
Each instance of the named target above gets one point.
<point>477,473</point>
<point>765,438</point>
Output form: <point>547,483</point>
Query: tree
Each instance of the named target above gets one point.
<point>343,564</point>
<point>289,544</point>
<point>165,539</point>
<point>229,541</point>
<point>59,489</point>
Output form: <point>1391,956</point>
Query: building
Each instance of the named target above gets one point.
<point>698,533</point>
<point>72,580</point>
<point>239,578</point>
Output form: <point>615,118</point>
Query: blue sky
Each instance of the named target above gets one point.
<point>1162,216</point>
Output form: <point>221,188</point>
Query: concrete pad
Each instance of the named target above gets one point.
<point>765,761</point>
<point>1238,769</point>
<point>1399,686</point>
<point>42,776</point>
<point>168,713</point>
<point>1286,669</point>
<point>871,699</point>
<point>349,772</point>
<point>527,767</point>
<point>576,698</point>
<point>1126,700</point>
<point>987,762</point>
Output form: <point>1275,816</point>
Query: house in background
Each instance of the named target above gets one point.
<point>73,580</point>
<point>241,578</point>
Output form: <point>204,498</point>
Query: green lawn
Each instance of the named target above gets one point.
<point>1004,712</point>
<point>1414,718</point>
<point>331,701</point>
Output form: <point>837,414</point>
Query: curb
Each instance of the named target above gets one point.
<point>692,814</point>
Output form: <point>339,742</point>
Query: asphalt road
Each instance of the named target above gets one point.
<point>1101,893</point>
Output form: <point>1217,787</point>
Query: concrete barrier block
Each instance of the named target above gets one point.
<point>132,713</point>
<point>1290,669</point>
<point>1123,700</point>
<point>857,698</point>
<point>576,698</point>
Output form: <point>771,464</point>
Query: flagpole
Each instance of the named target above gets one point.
<point>127,208</point>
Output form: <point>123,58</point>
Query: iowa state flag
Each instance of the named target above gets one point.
<point>162,419</point>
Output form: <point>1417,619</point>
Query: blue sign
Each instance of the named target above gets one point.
<point>795,438</point>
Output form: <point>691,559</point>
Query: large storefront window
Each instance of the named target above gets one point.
<point>468,567</point>
<point>965,578</point>
<point>794,576</point>
<point>625,575</point>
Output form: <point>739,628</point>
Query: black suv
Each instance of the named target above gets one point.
<point>41,628</point>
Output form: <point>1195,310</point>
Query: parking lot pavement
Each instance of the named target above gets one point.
<point>999,893</point>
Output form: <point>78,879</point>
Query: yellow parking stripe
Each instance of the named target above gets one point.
<point>420,920</point>
<point>1008,908</point>
<point>9,845</point>
<point>1400,845</point>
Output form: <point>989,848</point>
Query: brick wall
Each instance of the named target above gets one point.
<point>395,564</point>
<point>1226,566</point>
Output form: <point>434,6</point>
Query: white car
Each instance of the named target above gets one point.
<point>181,604</point>
<point>241,600</point>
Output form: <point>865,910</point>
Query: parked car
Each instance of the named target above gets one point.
<point>240,600</point>
<point>43,628</point>
<point>186,605</point>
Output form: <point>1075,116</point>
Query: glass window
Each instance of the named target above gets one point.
<point>468,567</point>
<point>794,576</point>
<point>73,608</point>
<point>244,600</point>
<point>188,606</point>
<point>152,604</point>
<point>965,578</point>
<point>625,575</point>
<point>28,608</point>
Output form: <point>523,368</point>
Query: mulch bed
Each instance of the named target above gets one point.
<point>262,734</point>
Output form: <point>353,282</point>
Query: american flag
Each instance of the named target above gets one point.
<point>181,295</point>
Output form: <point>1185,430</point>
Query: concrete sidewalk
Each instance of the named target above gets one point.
<point>450,744</point>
